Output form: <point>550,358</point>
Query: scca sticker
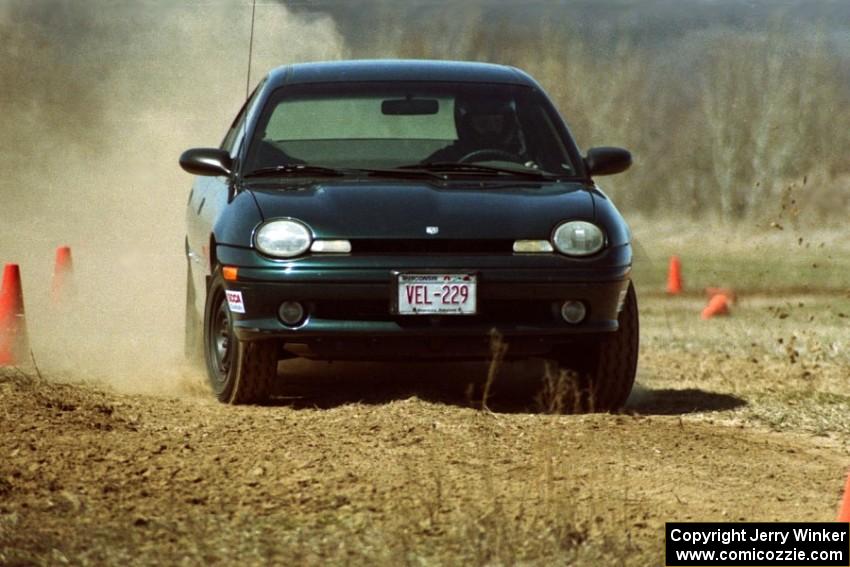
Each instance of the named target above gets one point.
<point>234,301</point>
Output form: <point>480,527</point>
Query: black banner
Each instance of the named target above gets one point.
<point>816,544</point>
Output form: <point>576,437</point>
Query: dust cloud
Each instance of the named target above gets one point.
<point>98,101</point>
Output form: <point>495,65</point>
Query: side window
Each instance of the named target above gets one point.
<point>230,137</point>
<point>234,133</point>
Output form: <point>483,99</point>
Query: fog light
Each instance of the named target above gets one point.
<point>291,313</point>
<point>573,311</point>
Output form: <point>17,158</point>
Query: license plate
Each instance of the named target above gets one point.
<point>437,294</point>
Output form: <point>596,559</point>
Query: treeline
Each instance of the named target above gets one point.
<point>723,123</point>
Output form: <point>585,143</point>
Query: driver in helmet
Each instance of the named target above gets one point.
<point>487,131</point>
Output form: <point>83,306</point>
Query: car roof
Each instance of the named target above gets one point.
<point>397,70</point>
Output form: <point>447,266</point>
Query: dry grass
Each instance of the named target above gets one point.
<point>771,257</point>
<point>786,357</point>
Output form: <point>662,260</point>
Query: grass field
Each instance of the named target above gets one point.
<point>750,258</point>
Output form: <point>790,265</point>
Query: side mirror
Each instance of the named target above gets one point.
<point>607,161</point>
<point>206,161</point>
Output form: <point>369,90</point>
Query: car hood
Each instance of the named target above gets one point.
<point>374,210</point>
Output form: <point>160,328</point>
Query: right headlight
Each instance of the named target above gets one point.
<point>283,238</point>
<point>578,238</point>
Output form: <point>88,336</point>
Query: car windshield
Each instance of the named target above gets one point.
<point>409,125</point>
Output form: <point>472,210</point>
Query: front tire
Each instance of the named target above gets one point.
<point>239,372</point>
<point>605,371</point>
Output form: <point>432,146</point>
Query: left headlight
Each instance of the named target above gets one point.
<point>578,238</point>
<point>283,238</point>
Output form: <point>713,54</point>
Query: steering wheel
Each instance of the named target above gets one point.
<point>488,154</point>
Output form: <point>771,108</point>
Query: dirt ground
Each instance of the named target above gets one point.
<point>397,464</point>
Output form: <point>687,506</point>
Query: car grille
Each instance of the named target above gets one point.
<point>430,246</point>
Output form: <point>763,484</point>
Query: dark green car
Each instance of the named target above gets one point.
<point>372,210</point>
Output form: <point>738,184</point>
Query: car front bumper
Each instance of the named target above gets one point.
<point>350,314</point>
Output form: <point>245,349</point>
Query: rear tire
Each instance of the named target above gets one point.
<point>605,372</point>
<point>239,372</point>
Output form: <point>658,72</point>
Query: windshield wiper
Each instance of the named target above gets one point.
<point>299,170</point>
<point>401,173</point>
<point>438,170</point>
<point>296,170</point>
<point>456,167</point>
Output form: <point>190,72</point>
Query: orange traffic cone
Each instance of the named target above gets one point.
<point>717,305</point>
<point>63,272</point>
<point>844,512</point>
<point>727,291</point>
<point>14,343</point>
<point>674,276</point>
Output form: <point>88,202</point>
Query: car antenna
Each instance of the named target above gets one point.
<point>244,143</point>
<point>250,49</point>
